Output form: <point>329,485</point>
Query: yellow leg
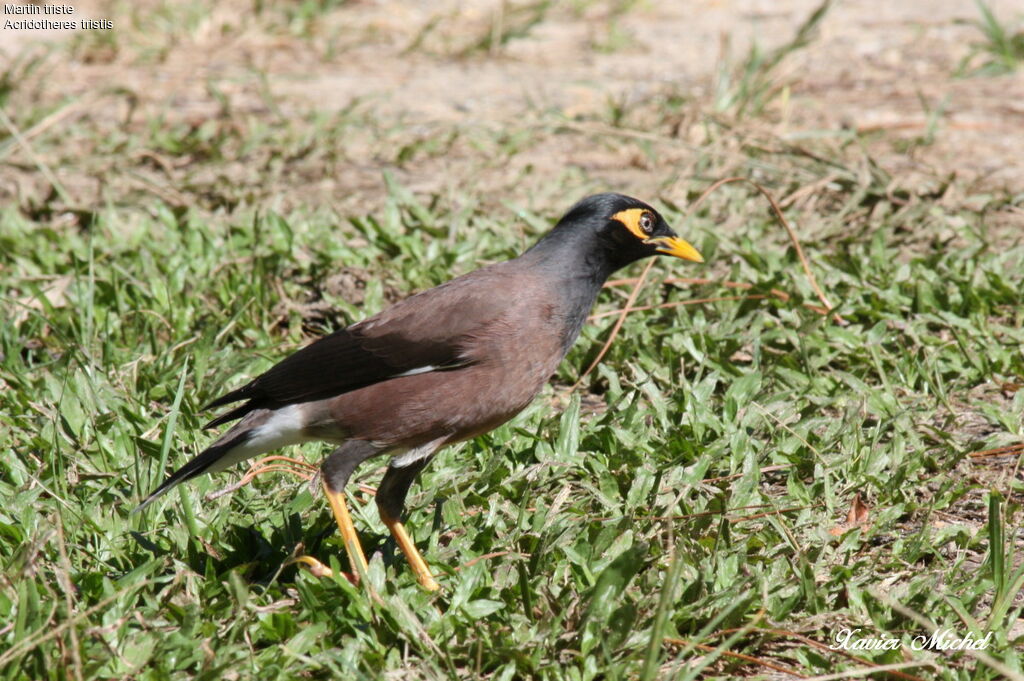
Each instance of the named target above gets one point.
<point>416,562</point>
<point>356,557</point>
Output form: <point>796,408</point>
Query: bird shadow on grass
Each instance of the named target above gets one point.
<point>259,555</point>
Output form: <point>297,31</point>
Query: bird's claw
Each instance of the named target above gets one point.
<point>318,569</point>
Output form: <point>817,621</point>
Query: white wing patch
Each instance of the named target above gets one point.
<point>432,367</point>
<point>417,370</point>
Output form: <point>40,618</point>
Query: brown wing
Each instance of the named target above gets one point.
<point>426,332</point>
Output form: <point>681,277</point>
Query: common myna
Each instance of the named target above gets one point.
<point>442,366</point>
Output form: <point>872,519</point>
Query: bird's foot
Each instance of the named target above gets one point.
<point>416,562</point>
<point>428,582</point>
<point>318,569</point>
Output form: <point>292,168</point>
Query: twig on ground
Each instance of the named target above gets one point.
<point>739,656</point>
<point>286,464</point>
<point>1009,450</point>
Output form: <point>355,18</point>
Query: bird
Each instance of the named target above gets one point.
<point>442,366</point>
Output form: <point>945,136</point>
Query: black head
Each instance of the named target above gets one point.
<point>609,231</point>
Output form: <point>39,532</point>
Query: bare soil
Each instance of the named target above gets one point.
<point>886,70</point>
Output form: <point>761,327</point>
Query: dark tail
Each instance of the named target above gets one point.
<point>197,466</point>
<point>253,401</point>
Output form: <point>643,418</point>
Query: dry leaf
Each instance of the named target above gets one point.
<point>54,293</point>
<point>741,356</point>
<point>857,517</point>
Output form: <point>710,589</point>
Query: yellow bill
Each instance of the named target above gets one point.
<point>674,246</point>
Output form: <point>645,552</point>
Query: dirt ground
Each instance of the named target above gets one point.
<point>883,70</point>
<point>507,103</point>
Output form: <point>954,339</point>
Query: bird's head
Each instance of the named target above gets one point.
<point>617,230</point>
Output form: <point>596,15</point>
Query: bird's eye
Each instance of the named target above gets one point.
<point>647,223</point>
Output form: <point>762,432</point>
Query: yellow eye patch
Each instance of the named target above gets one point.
<point>631,219</point>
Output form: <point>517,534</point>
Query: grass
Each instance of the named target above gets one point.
<point>591,513</point>
<point>1002,46</point>
<point>683,514</point>
<point>746,87</point>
